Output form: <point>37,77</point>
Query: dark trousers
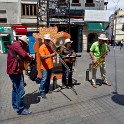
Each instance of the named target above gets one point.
<point>67,75</point>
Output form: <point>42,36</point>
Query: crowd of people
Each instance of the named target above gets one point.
<point>17,52</point>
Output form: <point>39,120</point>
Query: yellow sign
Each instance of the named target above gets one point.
<point>53,31</point>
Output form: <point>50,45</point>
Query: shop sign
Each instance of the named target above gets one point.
<point>20,29</point>
<point>53,31</point>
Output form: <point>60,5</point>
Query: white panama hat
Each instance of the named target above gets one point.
<point>102,37</point>
<point>24,39</point>
<point>67,41</point>
<point>47,36</point>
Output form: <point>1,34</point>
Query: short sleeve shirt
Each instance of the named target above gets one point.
<point>98,50</point>
<point>48,62</point>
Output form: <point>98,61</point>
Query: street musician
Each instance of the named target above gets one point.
<point>98,52</point>
<point>16,54</point>
<point>69,56</point>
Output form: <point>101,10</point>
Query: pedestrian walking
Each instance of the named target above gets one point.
<point>15,57</point>
<point>98,52</point>
<point>122,44</point>
<point>46,54</point>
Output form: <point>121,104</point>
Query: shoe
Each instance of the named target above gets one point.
<point>48,92</point>
<point>43,96</point>
<point>107,83</point>
<point>25,112</point>
<point>94,85</point>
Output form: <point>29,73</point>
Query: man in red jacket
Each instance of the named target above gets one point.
<point>17,50</point>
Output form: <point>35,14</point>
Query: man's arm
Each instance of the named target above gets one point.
<point>92,57</point>
<point>42,54</point>
<point>48,56</point>
<point>21,52</point>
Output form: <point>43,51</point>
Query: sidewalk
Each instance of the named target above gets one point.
<point>82,104</point>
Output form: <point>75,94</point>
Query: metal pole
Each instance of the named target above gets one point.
<point>69,16</point>
<point>38,1</point>
<point>47,13</point>
<point>115,15</point>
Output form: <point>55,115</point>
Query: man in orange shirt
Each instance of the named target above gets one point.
<point>46,54</point>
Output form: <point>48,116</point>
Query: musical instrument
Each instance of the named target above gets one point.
<point>54,48</point>
<point>22,64</point>
<point>100,61</point>
<point>69,58</point>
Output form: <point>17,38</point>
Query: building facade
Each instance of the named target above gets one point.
<point>118,23</point>
<point>26,16</point>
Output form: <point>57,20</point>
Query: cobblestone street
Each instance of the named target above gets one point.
<point>81,104</point>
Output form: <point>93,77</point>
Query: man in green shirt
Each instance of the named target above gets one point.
<point>97,50</point>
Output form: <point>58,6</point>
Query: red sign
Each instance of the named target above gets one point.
<point>20,29</point>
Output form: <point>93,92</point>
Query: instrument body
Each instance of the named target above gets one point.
<point>69,58</point>
<point>99,62</point>
<point>22,64</point>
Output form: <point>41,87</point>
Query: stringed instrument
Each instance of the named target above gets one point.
<point>22,64</point>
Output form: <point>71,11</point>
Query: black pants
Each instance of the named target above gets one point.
<point>67,76</point>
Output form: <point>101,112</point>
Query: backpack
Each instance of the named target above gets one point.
<point>33,72</point>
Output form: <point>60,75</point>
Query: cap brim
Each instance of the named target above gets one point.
<point>47,39</point>
<point>22,41</point>
<point>68,42</point>
<point>102,38</point>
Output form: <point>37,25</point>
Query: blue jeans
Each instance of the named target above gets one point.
<point>17,92</point>
<point>45,81</point>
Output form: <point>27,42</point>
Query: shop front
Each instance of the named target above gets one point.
<point>5,38</point>
<point>94,29</point>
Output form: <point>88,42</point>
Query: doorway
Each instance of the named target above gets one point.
<point>92,37</point>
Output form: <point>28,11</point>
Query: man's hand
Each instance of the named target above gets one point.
<point>53,54</point>
<point>94,61</point>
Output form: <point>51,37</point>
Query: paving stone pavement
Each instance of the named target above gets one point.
<point>81,104</point>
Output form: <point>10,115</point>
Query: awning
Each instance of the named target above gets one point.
<point>92,26</point>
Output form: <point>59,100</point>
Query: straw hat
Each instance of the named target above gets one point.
<point>102,37</point>
<point>67,41</point>
<point>47,36</point>
<point>24,39</point>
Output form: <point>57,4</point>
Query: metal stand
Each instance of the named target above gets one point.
<point>87,75</point>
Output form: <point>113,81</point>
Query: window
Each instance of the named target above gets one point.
<point>2,11</point>
<point>75,1</point>
<point>29,10</point>
<point>62,1</point>
<point>89,3</point>
<point>3,20</point>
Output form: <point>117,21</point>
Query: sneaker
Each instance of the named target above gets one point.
<point>48,92</point>
<point>43,96</point>
<point>25,112</point>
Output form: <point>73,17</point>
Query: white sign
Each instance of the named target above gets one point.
<point>8,0</point>
<point>97,16</point>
